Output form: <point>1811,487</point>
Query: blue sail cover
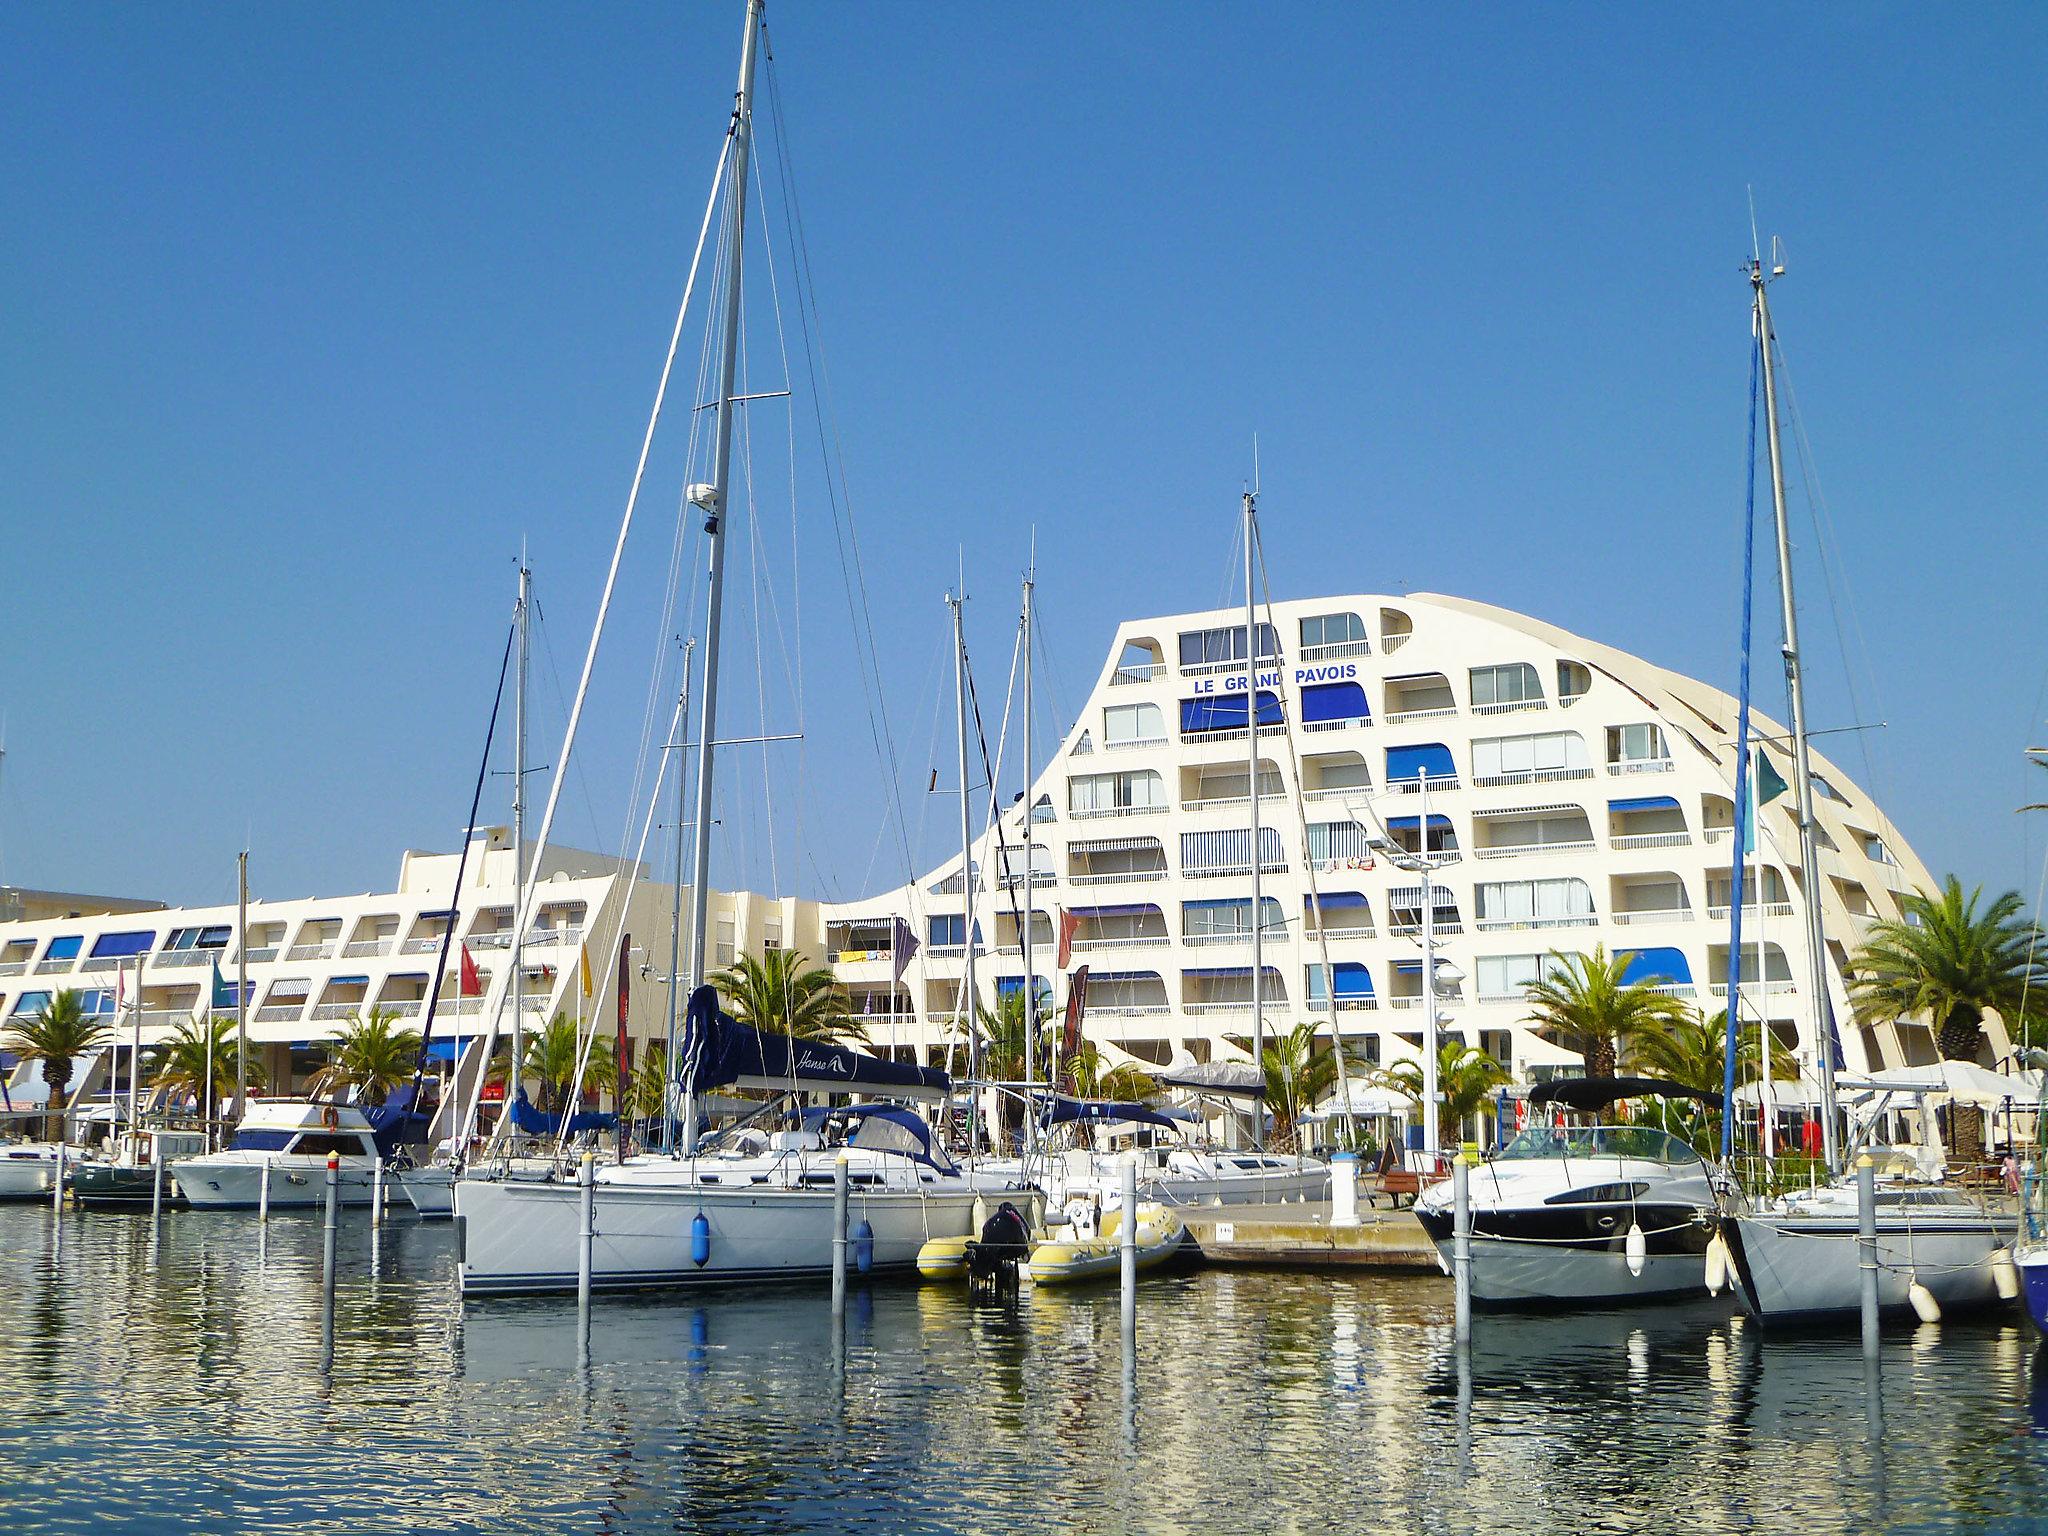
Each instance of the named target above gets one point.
<point>1061,1111</point>
<point>533,1122</point>
<point>396,1123</point>
<point>718,1051</point>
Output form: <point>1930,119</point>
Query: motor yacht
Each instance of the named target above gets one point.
<point>291,1138</point>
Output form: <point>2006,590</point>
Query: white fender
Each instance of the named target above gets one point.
<point>1637,1248</point>
<point>1923,1302</point>
<point>2005,1275</point>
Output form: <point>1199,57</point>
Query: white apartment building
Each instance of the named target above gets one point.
<point>1587,795</point>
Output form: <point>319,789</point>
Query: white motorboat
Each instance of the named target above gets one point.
<point>1796,1258</point>
<point>28,1170</point>
<point>291,1139</point>
<point>1179,1172</point>
<point>1589,1214</point>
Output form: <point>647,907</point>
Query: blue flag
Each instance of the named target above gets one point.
<point>223,991</point>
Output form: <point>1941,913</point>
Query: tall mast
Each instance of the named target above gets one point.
<point>713,499</point>
<point>675,934</point>
<point>1251,736</point>
<point>241,984</point>
<point>1802,775</point>
<point>969,993</point>
<point>1030,897</point>
<point>1431,1027</point>
<point>520,614</point>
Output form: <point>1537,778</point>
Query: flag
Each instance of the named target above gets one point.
<point>223,991</point>
<point>472,984</point>
<point>1765,785</point>
<point>902,945</point>
<point>583,964</point>
<point>1077,1004</point>
<point>624,1059</point>
<point>1069,921</point>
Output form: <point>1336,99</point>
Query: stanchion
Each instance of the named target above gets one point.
<point>327,1263</point>
<point>1344,1190</point>
<point>1461,1246</point>
<point>586,1186</point>
<point>1866,1247</point>
<point>377,1193</point>
<point>839,1236</point>
<point>1127,1239</point>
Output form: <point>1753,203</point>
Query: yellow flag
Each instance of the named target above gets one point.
<point>583,964</point>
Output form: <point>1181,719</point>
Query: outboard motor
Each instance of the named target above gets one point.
<point>1005,1243</point>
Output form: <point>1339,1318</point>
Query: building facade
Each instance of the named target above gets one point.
<point>1576,795</point>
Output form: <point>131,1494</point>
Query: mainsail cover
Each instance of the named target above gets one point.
<point>719,1051</point>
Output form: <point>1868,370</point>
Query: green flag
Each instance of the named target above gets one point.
<point>1765,785</point>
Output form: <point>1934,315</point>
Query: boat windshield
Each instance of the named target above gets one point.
<point>1644,1142</point>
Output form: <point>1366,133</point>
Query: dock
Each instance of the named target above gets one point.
<point>1300,1236</point>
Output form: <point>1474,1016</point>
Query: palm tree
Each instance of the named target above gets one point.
<point>1002,1032</point>
<point>1465,1076</point>
<point>781,993</point>
<point>551,1057</point>
<point>198,1054</point>
<point>1125,1083</point>
<point>1692,1051</point>
<point>58,1034</point>
<point>1583,1004</point>
<point>370,1056</point>
<point>1950,963</point>
<point>647,1086</point>
<point>1299,1073</point>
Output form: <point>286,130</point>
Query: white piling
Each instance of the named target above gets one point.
<point>1127,1239</point>
<point>1866,1247</point>
<point>839,1235</point>
<point>327,1263</point>
<point>586,1189</point>
<point>263,1196</point>
<point>1461,1241</point>
<point>376,1193</point>
<point>156,1187</point>
<point>1344,1190</point>
<point>57,1184</point>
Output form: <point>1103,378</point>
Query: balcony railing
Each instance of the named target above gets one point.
<point>1506,924</point>
<point>163,1018</point>
<point>1777,984</point>
<point>1391,643</point>
<point>1117,810</point>
<point>1359,721</point>
<point>1651,840</point>
<point>404,1007</point>
<point>1118,941</point>
<point>1224,802</point>
<point>1654,915</point>
<point>1230,733</point>
<point>429,945</point>
<point>1434,712</point>
<point>175,959</point>
<point>1440,928</point>
<point>13,967</point>
<point>1718,911</point>
<point>1134,744</point>
<point>1673,988</point>
<point>1117,877</point>
<point>1529,776</point>
<point>1126,1010</point>
<point>55,967</point>
<point>320,951</point>
<point>1142,674</point>
<point>103,962</point>
<point>1715,834</point>
<point>1509,706</point>
<point>328,1011</point>
<point>1414,1000</point>
<point>1321,1005</point>
<point>263,956</point>
<point>1236,1005</point>
<point>1642,765</point>
<point>558,938</point>
<point>1337,935</point>
<point>1206,871</point>
<point>1437,784</point>
<point>1338,648</point>
<point>279,1013</point>
<point>1338,792</point>
<point>366,949</point>
<point>494,940</point>
<point>1509,850</point>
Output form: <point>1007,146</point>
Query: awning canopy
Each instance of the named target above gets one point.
<point>1225,711</point>
<point>1414,823</point>
<point>1663,963</point>
<point>1962,1082</point>
<point>719,1051</point>
<point>1411,762</point>
<point>1128,909</point>
<point>1333,701</point>
<point>1644,803</point>
<point>1330,901</point>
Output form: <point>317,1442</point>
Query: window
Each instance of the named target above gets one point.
<point>727,930</point>
<point>1536,903</point>
<point>1043,811</point>
<point>1508,976</point>
<point>1636,744</point>
<point>124,944</point>
<point>1341,911</point>
<point>1229,852</point>
<point>1333,634</point>
<point>948,930</point>
<point>1826,790</point>
<point>65,948</point>
<point>1873,847</point>
<point>1529,759</point>
<point>214,937</point>
<point>1108,794</point>
<point>1123,724</point>
<point>97,1001</point>
<point>29,1004</point>
<point>1354,984</point>
<point>1330,841</point>
<point>1574,682</point>
<point>1550,829</point>
<point>1407,831</point>
<point>1210,649</point>
<point>1230,919</point>
<point>771,935</point>
<point>1513,682</point>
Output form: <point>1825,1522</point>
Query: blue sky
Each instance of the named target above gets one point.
<point>314,312</point>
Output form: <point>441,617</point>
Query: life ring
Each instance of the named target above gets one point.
<point>331,1118</point>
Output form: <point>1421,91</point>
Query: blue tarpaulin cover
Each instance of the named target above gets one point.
<point>718,1050</point>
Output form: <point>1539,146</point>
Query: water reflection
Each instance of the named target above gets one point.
<point>164,1378</point>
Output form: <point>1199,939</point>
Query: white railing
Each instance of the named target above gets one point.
<point>1142,674</point>
<point>174,959</point>
<point>1336,649</point>
<point>1391,643</point>
<point>1509,706</point>
<point>1267,662</point>
<point>366,949</point>
<point>1673,988</point>
<point>1126,1010</point>
<point>1223,802</point>
<point>279,1013</point>
<point>13,967</point>
<point>1438,783</point>
<point>1336,935</point>
<point>404,1007</point>
<point>160,1018</point>
<point>1642,765</point>
<point>1340,792</point>
<point>1718,911</point>
<point>489,941</point>
<point>1266,867</point>
<point>1509,850</point>
<point>1229,733</point>
<point>1656,915</point>
<point>429,945</point>
<point>1715,834</point>
<point>1527,776</point>
<point>1134,744</point>
<point>1438,929</point>
<point>1238,1005</point>
<point>1435,712</point>
<point>102,962</point>
<point>55,967</point>
<point>1117,810</point>
<point>263,956</point>
<point>1118,878</point>
<point>1360,721</point>
<point>1123,941</point>
<point>560,938</point>
<point>1651,840</point>
<point>1776,984</point>
<point>1204,940</point>
<point>310,952</point>
<point>327,1011</point>
<point>1505,924</point>
<point>1448,999</point>
<point>1039,876</point>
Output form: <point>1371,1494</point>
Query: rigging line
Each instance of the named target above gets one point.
<point>1738,855</point>
<point>853,575</point>
<point>523,912</point>
<point>993,775</point>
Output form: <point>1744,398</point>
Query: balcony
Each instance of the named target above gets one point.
<point>263,956</point>
<point>324,951</point>
<point>1509,850</point>
<point>1124,941</point>
<point>1656,915</point>
<point>1510,706</point>
<point>1434,712</point>
<point>489,941</point>
<point>1211,871</point>
<point>1641,765</point>
<point>1716,834</point>
<point>177,959</point>
<point>1437,783</point>
<point>1136,743</point>
<point>279,1013</point>
<point>370,949</point>
<point>56,967</point>
<point>404,1007</point>
<point>1118,877</point>
<point>13,967</point>
<point>1127,1010</point>
<point>1112,810</point>
<point>1718,912</point>
<point>327,1012</point>
<point>1529,776</point>
<point>1650,840</point>
<point>545,938</point>
<point>1334,651</point>
<point>1511,924</point>
<point>1124,676</point>
<point>1356,723</point>
<point>1233,1005</point>
<point>1776,985</point>
<point>1441,928</point>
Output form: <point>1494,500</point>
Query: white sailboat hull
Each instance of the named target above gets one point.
<point>514,1236</point>
<point>234,1180</point>
<point>1808,1267</point>
<point>28,1173</point>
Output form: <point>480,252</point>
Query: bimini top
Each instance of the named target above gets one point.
<point>719,1051</point>
<point>881,1128</point>
<point>1591,1093</point>
<point>1062,1111</point>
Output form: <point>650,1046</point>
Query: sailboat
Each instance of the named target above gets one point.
<point>1796,1258</point>
<point>756,1200</point>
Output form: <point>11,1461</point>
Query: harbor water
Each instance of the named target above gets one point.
<point>165,1377</point>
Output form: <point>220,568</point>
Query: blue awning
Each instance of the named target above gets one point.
<point>1660,964</point>
<point>1414,823</point>
<point>1332,900</point>
<point>65,948</point>
<point>120,944</point>
<point>1333,701</point>
<point>1408,967</point>
<point>447,1050</point>
<point>1136,909</point>
<point>1410,762</point>
<point>348,981</point>
<point>1225,711</point>
<point>1105,978</point>
<point>1225,972</point>
<point>1644,803</point>
<point>1353,979</point>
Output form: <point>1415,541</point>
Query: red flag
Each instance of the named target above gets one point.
<point>1069,921</point>
<point>624,1059</point>
<point>1077,1004</point>
<point>472,984</point>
